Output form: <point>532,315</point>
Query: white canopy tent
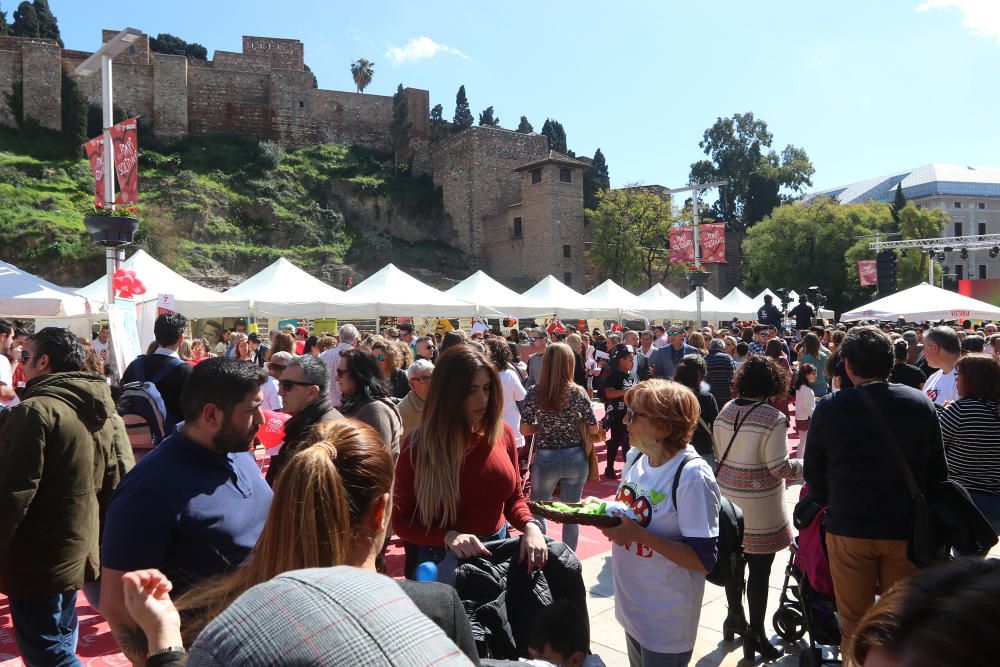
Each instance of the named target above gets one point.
<point>712,307</point>
<point>759,299</point>
<point>393,292</point>
<point>662,304</point>
<point>279,290</point>
<point>612,295</point>
<point>793,297</point>
<point>745,307</point>
<point>487,293</point>
<point>564,301</point>
<point>25,295</point>
<point>924,303</point>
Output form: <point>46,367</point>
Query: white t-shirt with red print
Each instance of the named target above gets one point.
<point>658,602</point>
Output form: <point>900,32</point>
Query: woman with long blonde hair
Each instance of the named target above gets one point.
<point>457,482</point>
<point>553,411</point>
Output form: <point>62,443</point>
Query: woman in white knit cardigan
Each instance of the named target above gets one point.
<point>753,467</point>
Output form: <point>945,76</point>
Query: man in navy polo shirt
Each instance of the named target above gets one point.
<point>195,506</point>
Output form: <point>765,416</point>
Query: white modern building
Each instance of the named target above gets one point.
<point>970,196</point>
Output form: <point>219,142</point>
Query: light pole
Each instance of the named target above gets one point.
<point>696,237</point>
<point>101,60</point>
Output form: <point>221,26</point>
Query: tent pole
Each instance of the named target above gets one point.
<point>377,320</point>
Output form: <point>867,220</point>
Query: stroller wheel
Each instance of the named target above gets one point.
<point>789,624</point>
<point>810,657</point>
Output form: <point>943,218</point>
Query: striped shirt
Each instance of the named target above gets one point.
<point>970,429</point>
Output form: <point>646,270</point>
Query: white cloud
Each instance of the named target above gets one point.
<point>979,17</point>
<point>420,48</point>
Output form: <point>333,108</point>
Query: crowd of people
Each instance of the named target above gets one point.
<point>436,439</point>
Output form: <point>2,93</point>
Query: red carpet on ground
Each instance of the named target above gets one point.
<point>97,648</point>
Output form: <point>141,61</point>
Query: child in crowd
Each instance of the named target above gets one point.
<point>742,350</point>
<point>805,403</point>
<point>560,636</point>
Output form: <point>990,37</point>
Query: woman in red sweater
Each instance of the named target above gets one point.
<point>457,482</point>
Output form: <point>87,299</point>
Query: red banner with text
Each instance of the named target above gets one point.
<point>713,243</point>
<point>95,153</point>
<point>867,272</point>
<point>681,245</point>
<point>126,142</point>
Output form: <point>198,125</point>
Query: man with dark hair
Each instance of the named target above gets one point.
<point>164,368</point>
<point>803,313</point>
<point>303,390</point>
<point>769,313</point>
<point>63,452</point>
<point>196,504</point>
<point>850,466</point>
<point>761,334</point>
<point>8,398</point>
<point>665,359</point>
<point>942,350</point>
<point>560,636</point>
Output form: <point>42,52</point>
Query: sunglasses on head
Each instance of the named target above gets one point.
<point>287,385</point>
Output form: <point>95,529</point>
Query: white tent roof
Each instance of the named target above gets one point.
<point>25,295</point>
<point>745,307</point>
<point>279,290</point>
<point>612,295</point>
<point>393,292</point>
<point>759,299</point>
<point>924,303</point>
<point>712,307</point>
<point>156,277</point>
<point>567,302</point>
<point>485,292</point>
<point>661,303</point>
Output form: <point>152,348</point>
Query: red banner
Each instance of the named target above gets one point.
<point>712,239</point>
<point>126,143</point>
<point>95,153</point>
<point>681,245</point>
<point>867,272</point>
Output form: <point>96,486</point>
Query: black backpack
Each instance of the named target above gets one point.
<point>729,566</point>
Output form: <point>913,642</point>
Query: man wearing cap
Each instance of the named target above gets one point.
<point>665,359</point>
<point>301,334</point>
<point>618,382</point>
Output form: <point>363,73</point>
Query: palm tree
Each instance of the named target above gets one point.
<point>362,70</point>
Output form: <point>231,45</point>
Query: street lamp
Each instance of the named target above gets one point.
<point>116,235</point>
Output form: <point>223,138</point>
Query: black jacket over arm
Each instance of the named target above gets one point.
<point>850,466</point>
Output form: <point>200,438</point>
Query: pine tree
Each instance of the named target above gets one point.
<point>463,117</point>
<point>898,204</point>
<point>524,127</point>
<point>25,21</point>
<point>553,129</point>
<point>4,26</point>
<point>48,27</point>
<point>595,179</point>
<point>439,126</point>
<point>487,118</point>
<point>402,126</point>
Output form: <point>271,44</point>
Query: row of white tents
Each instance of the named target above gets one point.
<point>284,290</point>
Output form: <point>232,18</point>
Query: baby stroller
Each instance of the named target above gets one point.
<point>807,604</point>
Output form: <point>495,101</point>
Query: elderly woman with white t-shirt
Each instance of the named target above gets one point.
<point>659,563</point>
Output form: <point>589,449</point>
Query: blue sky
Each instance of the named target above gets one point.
<point>866,87</point>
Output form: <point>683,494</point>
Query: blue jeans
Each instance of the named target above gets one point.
<point>447,561</point>
<point>989,505</point>
<point>569,469</point>
<point>46,629</point>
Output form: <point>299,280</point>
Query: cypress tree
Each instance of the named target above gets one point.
<point>556,134</point>
<point>401,127</point>
<point>463,117</point>
<point>25,21</point>
<point>48,27</point>
<point>487,118</point>
<point>524,127</point>
<point>898,204</point>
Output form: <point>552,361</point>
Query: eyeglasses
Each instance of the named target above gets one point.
<point>421,380</point>
<point>632,414</point>
<point>288,384</point>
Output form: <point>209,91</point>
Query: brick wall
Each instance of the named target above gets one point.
<point>137,53</point>
<point>42,82</point>
<point>352,118</point>
<point>132,86</point>
<point>241,61</point>
<point>283,53</point>
<point>292,106</point>
<point>170,96</point>
<point>227,101</point>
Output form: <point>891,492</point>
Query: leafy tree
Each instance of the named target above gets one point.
<point>315,82</point>
<point>48,26</point>
<point>362,70</point>
<point>175,46</point>
<point>487,118</point>
<point>524,127</point>
<point>898,204</point>
<point>556,134</point>
<point>762,198</point>
<point>402,126</point>
<point>25,21</point>
<point>595,179</point>
<point>630,228</point>
<point>911,270</point>
<point>736,150</point>
<point>463,117</point>
<point>439,126</point>
<point>4,26</point>
<point>74,113</point>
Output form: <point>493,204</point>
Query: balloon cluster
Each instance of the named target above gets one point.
<point>556,326</point>
<point>510,322</point>
<point>126,284</point>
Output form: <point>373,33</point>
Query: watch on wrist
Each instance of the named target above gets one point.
<point>167,649</point>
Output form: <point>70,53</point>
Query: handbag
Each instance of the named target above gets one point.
<point>589,440</point>
<point>945,520</point>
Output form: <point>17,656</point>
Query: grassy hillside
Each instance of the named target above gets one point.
<point>217,208</point>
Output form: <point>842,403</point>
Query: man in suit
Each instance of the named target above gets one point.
<point>665,359</point>
<point>640,363</point>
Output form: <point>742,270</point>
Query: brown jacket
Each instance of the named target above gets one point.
<point>64,450</point>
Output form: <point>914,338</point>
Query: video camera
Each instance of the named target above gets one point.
<point>782,293</point>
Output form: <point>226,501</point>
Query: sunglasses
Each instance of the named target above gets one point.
<point>380,357</point>
<point>632,414</point>
<point>287,385</point>
<point>674,333</point>
<point>531,339</point>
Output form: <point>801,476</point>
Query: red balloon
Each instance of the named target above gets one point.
<point>272,432</point>
<point>138,288</point>
<point>119,272</point>
<point>130,273</point>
